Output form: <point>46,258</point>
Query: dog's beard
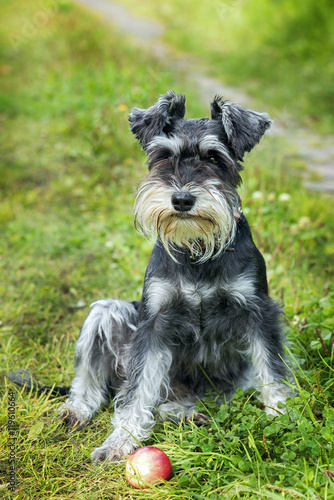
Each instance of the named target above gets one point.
<point>206,230</point>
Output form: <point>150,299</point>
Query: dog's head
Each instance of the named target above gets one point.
<point>189,196</point>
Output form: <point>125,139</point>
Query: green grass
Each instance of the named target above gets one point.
<point>280,52</point>
<point>69,169</point>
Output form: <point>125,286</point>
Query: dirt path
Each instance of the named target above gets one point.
<point>317,151</point>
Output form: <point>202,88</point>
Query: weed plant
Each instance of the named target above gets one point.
<point>69,169</point>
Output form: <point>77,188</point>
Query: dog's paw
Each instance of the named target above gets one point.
<point>72,419</point>
<point>198,418</point>
<point>104,453</point>
<point>115,448</point>
<point>174,411</point>
<point>108,453</point>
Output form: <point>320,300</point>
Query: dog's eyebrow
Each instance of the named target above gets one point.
<point>211,142</point>
<point>174,144</point>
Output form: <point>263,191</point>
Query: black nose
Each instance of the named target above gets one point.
<point>183,202</point>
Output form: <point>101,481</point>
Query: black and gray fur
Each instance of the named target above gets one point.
<point>205,310</point>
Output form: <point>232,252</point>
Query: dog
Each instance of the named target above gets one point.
<point>205,317</point>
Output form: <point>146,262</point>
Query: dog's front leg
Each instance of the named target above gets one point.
<point>267,356</point>
<point>148,380</point>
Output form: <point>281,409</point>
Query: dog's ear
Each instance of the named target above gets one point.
<point>158,119</point>
<point>243,127</point>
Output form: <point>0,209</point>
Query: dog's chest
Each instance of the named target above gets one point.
<point>202,300</point>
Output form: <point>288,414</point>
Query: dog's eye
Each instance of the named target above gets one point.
<point>212,159</point>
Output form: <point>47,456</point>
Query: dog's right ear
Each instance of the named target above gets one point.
<point>158,119</point>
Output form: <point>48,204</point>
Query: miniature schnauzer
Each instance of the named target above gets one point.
<point>205,317</point>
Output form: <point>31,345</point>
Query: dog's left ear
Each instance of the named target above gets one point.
<point>243,127</point>
<point>158,119</point>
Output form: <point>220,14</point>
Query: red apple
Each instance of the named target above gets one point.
<point>149,464</point>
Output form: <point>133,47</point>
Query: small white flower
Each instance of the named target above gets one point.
<point>295,320</point>
<point>79,305</point>
<point>284,197</point>
<point>257,195</point>
<point>279,270</point>
<point>294,229</point>
<point>304,222</point>
<point>267,257</point>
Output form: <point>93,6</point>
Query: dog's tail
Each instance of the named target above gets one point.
<point>25,379</point>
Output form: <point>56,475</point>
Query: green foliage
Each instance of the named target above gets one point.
<point>281,52</point>
<point>245,451</point>
<point>69,169</point>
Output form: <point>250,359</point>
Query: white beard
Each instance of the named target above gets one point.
<point>206,230</point>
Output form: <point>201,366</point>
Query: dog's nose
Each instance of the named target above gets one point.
<point>183,202</point>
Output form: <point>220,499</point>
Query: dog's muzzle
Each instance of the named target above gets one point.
<point>200,217</point>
